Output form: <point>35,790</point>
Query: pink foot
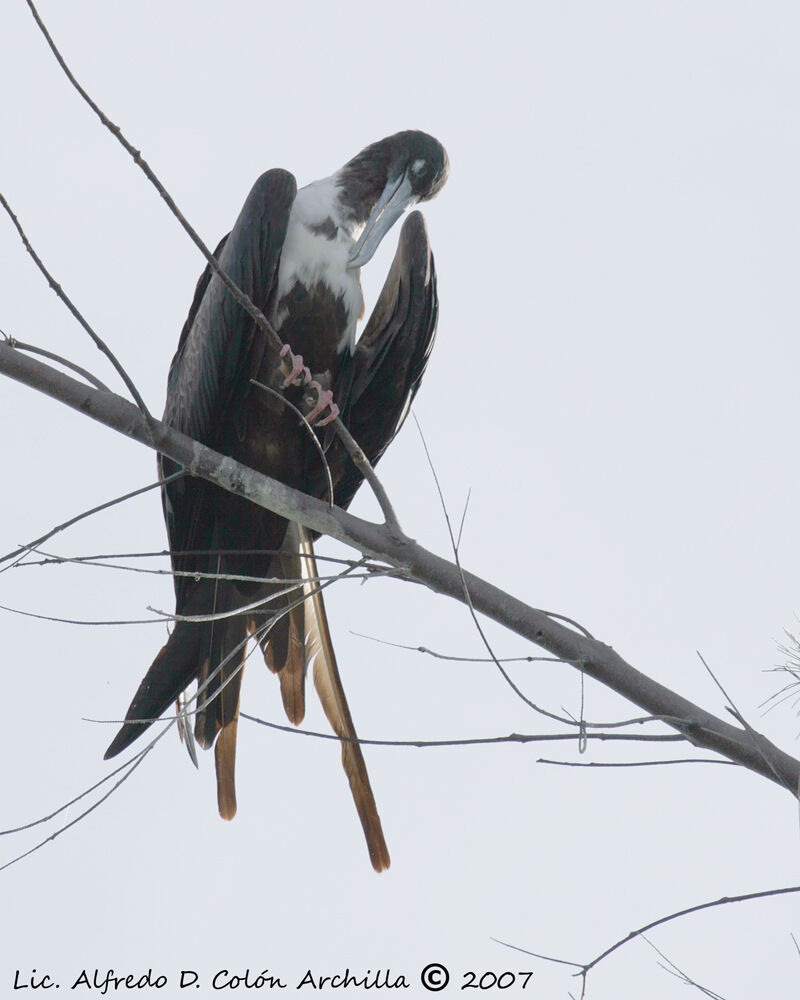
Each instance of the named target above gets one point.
<point>299,373</point>
<point>324,400</point>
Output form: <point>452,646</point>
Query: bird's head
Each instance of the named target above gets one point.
<point>387,178</point>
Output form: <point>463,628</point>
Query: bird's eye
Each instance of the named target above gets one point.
<point>417,167</point>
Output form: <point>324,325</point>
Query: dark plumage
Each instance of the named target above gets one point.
<point>297,254</point>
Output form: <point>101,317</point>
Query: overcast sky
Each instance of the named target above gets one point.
<point>614,379</point>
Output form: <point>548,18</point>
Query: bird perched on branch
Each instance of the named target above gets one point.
<point>297,255</point>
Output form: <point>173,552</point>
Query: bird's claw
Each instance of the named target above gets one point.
<point>299,373</point>
<point>324,400</point>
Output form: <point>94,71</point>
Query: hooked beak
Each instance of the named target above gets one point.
<point>396,197</point>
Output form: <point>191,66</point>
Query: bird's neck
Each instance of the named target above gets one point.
<point>360,183</point>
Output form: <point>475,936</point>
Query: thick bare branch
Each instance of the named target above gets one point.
<point>594,658</point>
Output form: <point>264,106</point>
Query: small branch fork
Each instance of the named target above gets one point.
<point>90,378</point>
<point>585,968</point>
<point>99,342</point>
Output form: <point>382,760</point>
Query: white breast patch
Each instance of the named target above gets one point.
<point>310,257</point>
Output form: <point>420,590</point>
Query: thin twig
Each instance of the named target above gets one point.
<point>533,954</point>
<point>463,518</point>
<point>362,463</point>
<point>741,719</point>
<point>100,801</point>
<point>466,742</point>
<point>556,616</point>
<point>241,297</point>
<point>66,805</point>
<point>637,721</point>
<point>255,605</point>
<point>274,616</point>
<point>457,659</point>
<point>129,767</point>
<point>669,966</point>
<point>83,621</point>
<point>32,349</point>
<point>636,763</point>
<point>468,599</point>
<point>162,553</point>
<point>31,546</point>
<point>99,342</point>
<point>97,562</point>
<point>723,901</point>
<point>586,968</point>
<point>165,616</point>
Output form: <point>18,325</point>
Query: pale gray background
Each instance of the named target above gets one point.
<point>614,378</point>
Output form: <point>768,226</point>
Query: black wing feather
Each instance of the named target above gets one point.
<point>391,355</point>
<point>218,353</point>
<point>219,349</point>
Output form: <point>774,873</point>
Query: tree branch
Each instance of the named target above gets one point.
<point>594,658</point>
<point>98,341</point>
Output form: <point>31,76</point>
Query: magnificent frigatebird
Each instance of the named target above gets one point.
<point>298,255</point>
